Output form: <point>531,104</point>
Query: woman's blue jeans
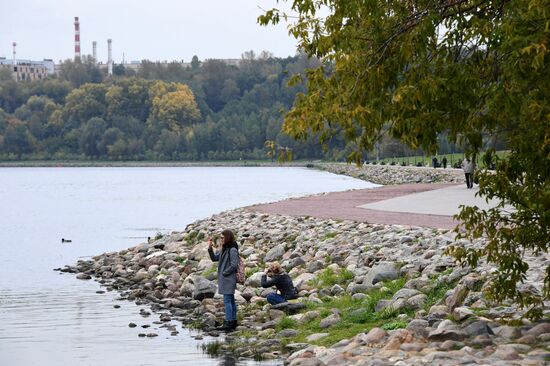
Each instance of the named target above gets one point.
<point>274,298</point>
<point>230,307</point>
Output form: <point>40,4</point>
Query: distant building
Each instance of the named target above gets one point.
<point>136,65</point>
<point>29,70</point>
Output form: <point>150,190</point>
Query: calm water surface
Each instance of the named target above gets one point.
<point>52,319</point>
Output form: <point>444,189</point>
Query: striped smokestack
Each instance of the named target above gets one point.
<point>76,39</point>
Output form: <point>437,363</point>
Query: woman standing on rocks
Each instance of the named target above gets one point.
<point>227,259</point>
<point>282,281</point>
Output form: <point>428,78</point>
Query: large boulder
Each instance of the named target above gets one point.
<point>301,282</point>
<point>254,280</point>
<point>275,253</point>
<point>203,289</point>
<point>329,321</point>
<point>382,272</point>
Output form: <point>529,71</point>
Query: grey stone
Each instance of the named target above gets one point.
<point>254,280</point>
<point>329,321</point>
<point>439,311</point>
<point>354,288</point>
<point>314,266</point>
<point>417,301</point>
<point>310,361</point>
<point>287,333</point>
<point>447,324</point>
<point>508,332</point>
<point>203,289</point>
<point>446,334</point>
<point>478,328</point>
<point>505,352</point>
<point>296,346</point>
<point>375,335</point>
<point>275,253</point>
<point>539,329</point>
<point>450,345</point>
<point>539,354</point>
<point>316,336</point>
<point>405,293</point>
<point>399,304</point>
<point>382,304</point>
<point>527,339</point>
<point>296,262</point>
<point>382,272</point>
<point>462,313</point>
<point>457,297</point>
<point>481,341</point>
<point>337,290</point>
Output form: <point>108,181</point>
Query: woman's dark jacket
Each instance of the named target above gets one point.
<point>283,282</point>
<point>227,267</point>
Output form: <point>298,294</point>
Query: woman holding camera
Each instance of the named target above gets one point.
<point>227,259</point>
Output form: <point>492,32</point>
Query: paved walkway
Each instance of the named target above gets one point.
<point>429,205</point>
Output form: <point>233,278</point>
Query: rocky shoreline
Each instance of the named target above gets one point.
<point>394,174</point>
<point>372,294</point>
<point>375,294</point>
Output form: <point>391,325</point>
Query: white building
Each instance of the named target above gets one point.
<point>27,69</point>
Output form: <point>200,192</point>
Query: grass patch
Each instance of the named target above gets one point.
<point>329,236</point>
<point>250,271</point>
<point>286,323</point>
<point>328,278</point>
<point>212,269</point>
<point>394,325</point>
<point>437,293</point>
<point>195,236</point>
<point>212,348</point>
<point>357,316</point>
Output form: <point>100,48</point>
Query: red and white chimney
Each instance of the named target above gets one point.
<point>76,39</point>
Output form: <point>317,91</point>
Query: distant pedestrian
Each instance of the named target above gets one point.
<point>444,162</point>
<point>434,161</point>
<point>228,259</point>
<point>282,281</point>
<point>468,167</point>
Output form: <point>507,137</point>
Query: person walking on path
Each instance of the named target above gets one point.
<point>444,162</point>
<point>468,167</point>
<point>282,281</point>
<point>227,259</point>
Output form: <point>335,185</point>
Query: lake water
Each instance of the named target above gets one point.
<point>51,319</point>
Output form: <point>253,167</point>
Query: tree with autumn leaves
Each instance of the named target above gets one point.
<point>473,70</point>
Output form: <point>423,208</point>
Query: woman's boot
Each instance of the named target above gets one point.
<point>225,327</point>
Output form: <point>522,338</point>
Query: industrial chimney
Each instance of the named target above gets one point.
<point>76,39</point>
<point>14,62</point>
<point>94,51</point>
<point>109,57</point>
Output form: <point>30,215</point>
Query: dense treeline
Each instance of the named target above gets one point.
<point>208,110</point>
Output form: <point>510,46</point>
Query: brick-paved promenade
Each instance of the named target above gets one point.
<point>344,205</point>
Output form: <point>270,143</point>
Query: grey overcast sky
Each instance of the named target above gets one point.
<point>155,29</point>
